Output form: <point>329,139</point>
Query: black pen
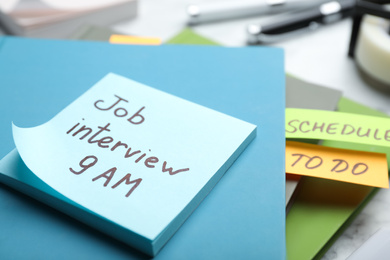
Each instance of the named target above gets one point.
<point>291,24</point>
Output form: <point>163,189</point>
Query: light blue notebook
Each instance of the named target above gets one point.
<point>242,217</point>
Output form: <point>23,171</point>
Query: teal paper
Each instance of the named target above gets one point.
<point>243,217</point>
<point>134,155</point>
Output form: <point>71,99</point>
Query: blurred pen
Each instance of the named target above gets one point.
<point>299,22</point>
<point>214,11</point>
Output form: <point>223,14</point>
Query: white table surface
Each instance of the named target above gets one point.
<point>319,57</point>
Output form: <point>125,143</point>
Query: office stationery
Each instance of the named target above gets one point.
<point>376,247</point>
<point>364,7</point>
<point>337,126</point>
<point>324,208</point>
<point>320,222</point>
<point>214,11</point>
<point>141,148</point>
<point>373,52</point>
<point>226,216</point>
<point>130,39</point>
<point>292,24</point>
<point>365,168</point>
<point>57,19</point>
<point>315,224</point>
<point>370,41</point>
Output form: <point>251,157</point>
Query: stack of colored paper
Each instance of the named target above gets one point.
<point>134,153</point>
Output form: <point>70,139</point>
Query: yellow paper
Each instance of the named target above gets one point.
<point>338,126</point>
<point>135,40</point>
<point>353,166</point>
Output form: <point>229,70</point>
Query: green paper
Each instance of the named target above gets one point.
<point>187,36</point>
<point>323,208</point>
<point>337,126</point>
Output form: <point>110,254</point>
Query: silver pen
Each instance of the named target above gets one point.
<point>222,10</point>
<point>294,23</point>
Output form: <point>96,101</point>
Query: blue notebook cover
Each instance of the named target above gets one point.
<point>242,217</point>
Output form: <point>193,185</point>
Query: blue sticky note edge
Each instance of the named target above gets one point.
<point>21,178</point>
<point>244,214</point>
<point>17,175</point>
